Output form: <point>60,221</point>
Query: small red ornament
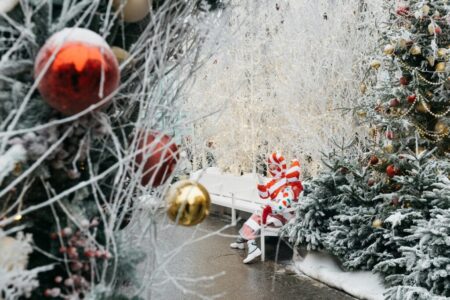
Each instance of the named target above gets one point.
<point>437,29</point>
<point>159,156</point>
<point>391,171</point>
<point>389,135</point>
<point>404,80</point>
<point>411,98</point>
<point>371,182</point>
<point>84,70</point>
<point>402,11</point>
<point>394,102</point>
<point>373,160</point>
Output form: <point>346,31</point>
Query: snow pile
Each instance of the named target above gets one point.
<point>324,268</point>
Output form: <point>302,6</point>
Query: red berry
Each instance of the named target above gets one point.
<point>404,81</point>
<point>411,98</point>
<point>391,171</point>
<point>394,102</point>
<point>373,160</point>
<point>437,30</point>
<point>402,11</point>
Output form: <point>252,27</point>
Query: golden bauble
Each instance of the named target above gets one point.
<point>388,49</point>
<point>431,60</point>
<point>363,87</point>
<point>440,67</point>
<point>361,113</point>
<point>415,50</point>
<point>425,9</point>
<point>375,64</point>
<point>7,5</point>
<point>120,54</point>
<point>441,128</point>
<point>133,10</point>
<point>188,203</point>
<point>422,107</point>
<point>377,223</point>
<point>441,52</point>
<point>389,148</point>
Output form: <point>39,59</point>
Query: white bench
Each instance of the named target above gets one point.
<point>236,193</point>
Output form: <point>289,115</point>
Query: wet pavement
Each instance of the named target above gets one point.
<point>206,268</point>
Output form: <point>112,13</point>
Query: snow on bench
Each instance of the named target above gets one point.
<point>236,193</point>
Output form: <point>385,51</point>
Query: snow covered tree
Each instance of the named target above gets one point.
<point>89,92</point>
<point>384,209</point>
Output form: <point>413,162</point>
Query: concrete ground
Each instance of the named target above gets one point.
<point>210,269</point>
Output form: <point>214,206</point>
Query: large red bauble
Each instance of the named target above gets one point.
<point>391,171</point>
<point>83,72</point>
<point>159,156</point>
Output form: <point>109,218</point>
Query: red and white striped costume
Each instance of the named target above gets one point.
<point>280,192</point>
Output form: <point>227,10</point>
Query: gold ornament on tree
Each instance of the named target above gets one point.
<point>132,10</point>
<point>375,64</point>
<point>363,88</point>
<point>120,54</point>
<point>388,49</point>
<point>440,67</point>
<point>422,107</point>
<point>377,223</point>
<point>441,128</point>
<point>441,52</point>
<point>188,203</point>
<point>415,50</point>
<point>389,148</point>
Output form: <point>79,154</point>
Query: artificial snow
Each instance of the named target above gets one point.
<point>324,268</point>
<point>15,154</point>
<point>74,34</point>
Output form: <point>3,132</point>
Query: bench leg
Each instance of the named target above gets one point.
<point>263,245</point>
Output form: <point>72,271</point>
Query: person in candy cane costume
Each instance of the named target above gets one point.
<point>280,192</point>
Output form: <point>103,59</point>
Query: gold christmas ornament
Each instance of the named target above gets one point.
<point>388,49</point>
<point>431,28</point>
<point>377,223</point>
<point>389,148</point>
<point>7,5</point>
<point>132,10</point>
<point>422,107</point>
<point>441,52</point>
<point>441,128</point>
<point>375,64</point>
<point>120,54</point>
<point>361,113</point>
<point>188,203</point>
<point>363,88</point>
<point>425,10</point>
<point>431,60</point>
<point>440,67</point>
<point>415,50</point>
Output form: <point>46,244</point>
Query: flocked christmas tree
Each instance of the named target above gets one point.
<point>387,209</point>
<point>88,122</point>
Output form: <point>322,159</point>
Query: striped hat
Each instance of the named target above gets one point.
<point>278,160</point>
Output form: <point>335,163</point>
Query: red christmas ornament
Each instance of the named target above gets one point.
<point>404,81</point>
<point>394,102</point>
<point>159,157</point>
<point>389,135</point>
<point>437,29</point>
<point>402,11</point>
<point>373,160</point>
<point>371,182</point>
<point>411,98</point>
<point>83,72</point>
<point>391,171</point>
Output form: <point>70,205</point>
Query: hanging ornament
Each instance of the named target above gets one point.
<point>394,102</point>
<point>388,49</point>
<point>84,70</point>
<point>422,107</point>
<point>132,10</point>
<point>371,182</point>
<point>188,203</point>
<point>441,52</point>
<point>362,114</point>
<point>120,54</point>
<point>434,29</point>
<point>411,98</point>
<point>373,160</point>
<point>402,11</point>
<point>158,155</point>
<point>431,60</point>
<point>377,223</point>
<point>391,171</point>
<point>441,128</point>
<point>415,50</point>
<point>375,64</point>
<point>7,5</point>
<point>425,10</point>
<point>440,67</point>
<point>363,88</point>
<point>389,135</point>
<point>389,148</point>
<point>404,81</point>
